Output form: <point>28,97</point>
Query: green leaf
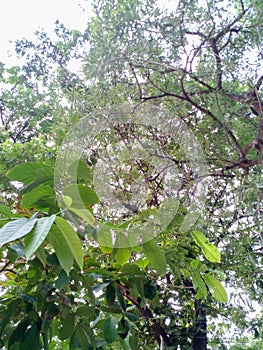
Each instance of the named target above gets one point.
<point>132,317</point>
<point>81,195</point>
<point>156,256</point>
<point>4,210</point>
<point>43,175</point>
<point>110,294</point>
<point>149,289</point>
<point>131,269</point>
<point>121,299</point>
<point>84,214</point>
<point>17,335</point>
<point>110,330</point>
<point>209,250</point>
<point>41,193</point>
<point>62,281</point>
<point>31,340</point>
<point>72,239</point>
<point>35,238</point>
<point>83,171</point>
<point>63,253</point>
<point>67,327</point>
<point>16,229</point>
<point>125,344</point>
<point>142,262</point>
<point>84,337</point>
<point>199,285</point>
<point>194,264</point>
<point>41,255</point>
<point>24,172</point>
<point>216,288</point>
<point>67,201</point>
<point>85,311</point>
<point>122,255</point>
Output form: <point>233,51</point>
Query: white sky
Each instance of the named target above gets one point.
<point>21,18</point>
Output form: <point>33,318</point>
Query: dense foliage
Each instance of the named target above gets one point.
<point>131,206</point>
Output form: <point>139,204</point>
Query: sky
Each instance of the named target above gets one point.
<point>21,18</point>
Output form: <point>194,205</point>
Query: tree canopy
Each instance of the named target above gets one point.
<point>131,206</point>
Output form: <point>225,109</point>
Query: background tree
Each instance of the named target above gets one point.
<point>202,65</point>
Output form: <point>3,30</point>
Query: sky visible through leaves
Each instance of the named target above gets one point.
<point>20,19</point>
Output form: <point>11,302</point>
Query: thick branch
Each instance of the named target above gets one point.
<point>200,338</point>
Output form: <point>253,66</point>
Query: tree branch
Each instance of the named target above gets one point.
<point>159,332</point>
<point>218,64</point>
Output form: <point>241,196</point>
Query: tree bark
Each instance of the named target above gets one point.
<point>200,338</point>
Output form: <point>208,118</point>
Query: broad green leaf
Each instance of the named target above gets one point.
<point>216,288</point>
<point>4,210</point>
<point>85,195</point>
<point>110,294</point>
<point>83,171</point>
<point>121,299</point>
<point>32,338</point>
<point>106,250</point>
<point>194,264</point>
<point>67,201</point>
<point>125,343</point>
<point>72,239</point>
<point>209,250</point>
<point>63,253</point>
<point>122,255</point>
<point>41,193</point>
<point>18,334</point>
<point>156,256</point>
<point>199,285</point>
<point>84,214</point>
<point>85,311</point>
<point>35,238</point>
<point>41,255</point>
<point>43,175</point>
<point>24,172</point>
<point>62,281</point>
<point>132,317</point>
<point>142,262</point>
<point>131,269</point>
<point>84,337</point>
<point>110,330</point>
<point>149,289</point>
<point>16,229</point>
<point>67,327</point>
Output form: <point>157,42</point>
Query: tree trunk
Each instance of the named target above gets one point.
<point>200,338</point>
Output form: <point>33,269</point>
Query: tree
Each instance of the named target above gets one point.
<point>64,272</point>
